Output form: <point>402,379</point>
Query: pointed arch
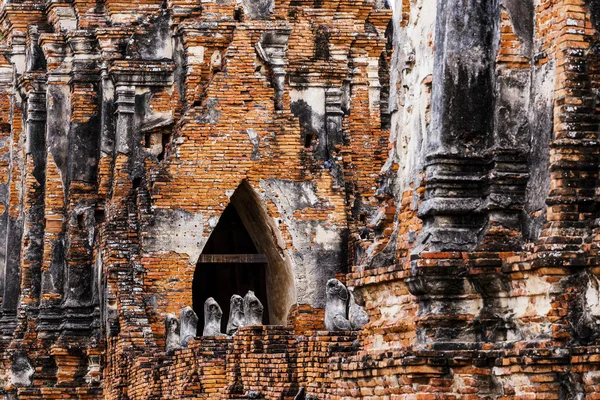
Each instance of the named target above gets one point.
<point>272,272</point>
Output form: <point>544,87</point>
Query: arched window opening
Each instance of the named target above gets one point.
<point>230,264</point>
<point>242,254</point>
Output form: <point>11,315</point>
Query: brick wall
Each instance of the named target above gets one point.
<point>441,160</point>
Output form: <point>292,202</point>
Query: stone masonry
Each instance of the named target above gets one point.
<point>441,160</point>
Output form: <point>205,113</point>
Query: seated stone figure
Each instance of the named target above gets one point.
<point>236,314</point>
<point>172,341</point>
<point>253,309</point>
<point>189,325</point>
<point>302,395</point>
<point>357,315</point>
<point>336,306</point>
<point>212,318</point>
<point>21,370</point>
<point>342,313</point>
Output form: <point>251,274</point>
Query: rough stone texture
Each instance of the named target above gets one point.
<point>236,314</point>
<point>357,315</point>
<point>441,161</point>
<point>173,333</point>
<point>212,318</point>
<point>253,309</point>
<point>188,321</point>
<point>336,308</point>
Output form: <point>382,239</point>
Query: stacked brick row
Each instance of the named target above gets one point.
<point>271,362</point>
<point>126,129</point>
<point>314,354</point>
<point>306,319</point>
<point>263,359</point>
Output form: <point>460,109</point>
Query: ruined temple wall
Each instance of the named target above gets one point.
<point>461,200</point>
<point>512,156</point>
<point>216,150</point>
<point>534,288</point>
<point>132,127</point>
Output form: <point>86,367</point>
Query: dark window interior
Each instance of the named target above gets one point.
<point>222,280</point>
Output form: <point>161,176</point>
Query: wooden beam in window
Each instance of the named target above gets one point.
<point>233,258</point>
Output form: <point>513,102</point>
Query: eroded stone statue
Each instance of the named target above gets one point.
<point>336,307</point>
<point>189,325</point>
<point>236,314</point>
<point>212,318</point>
<point>172,331</point>
<point>302,395</point>
<point>357,315</point>
<point>21,370</point>
<point>253,309</point>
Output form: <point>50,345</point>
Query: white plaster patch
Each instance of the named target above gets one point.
<point>21,371</point>
<point>516,382</point>
<point>374,84</point>
<point>472,307</point>
<point>67,20</point>
<point>307,259</point>
<point>6,74</point>
<point>178,231</point>
<point>412,68</point>
<point>539,301</point>
<point>252,134</point>
<point>195,54</point>
<point>215,60</point>
<point>314,96</point>
<point>19,61</point>
<point>592,296</point>
<point>328,239</point>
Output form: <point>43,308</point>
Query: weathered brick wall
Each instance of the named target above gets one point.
<point>128,129</point>
<point>441,161</point>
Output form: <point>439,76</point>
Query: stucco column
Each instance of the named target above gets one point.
<point>57,154</point>
<point>461,125</point>
<point>14,231</point>
<point>35,179</point>
<point>124,138</point>
<point>457,165</point>
<point>84,143</point>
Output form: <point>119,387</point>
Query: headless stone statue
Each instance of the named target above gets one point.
<point>336,306</point>
<point>253,309</point>
<point>236,314</point>
<point>21,370</point>
<point>172,342</point>
<point>189,325</point>
<point>253,394</point>
<point>302,395</point>
<point>356,314</point>
<point>212,318</point>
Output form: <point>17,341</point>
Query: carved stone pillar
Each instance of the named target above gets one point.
<point>84,139</point>
<point>461,126</point>
<point>334,116</point>
<point>124,138</point>
<point>121,272</point>
<point>12,275</point>
<point>509,154</point>
<point>107,134</point>
<point>14,231</point>
<point>273,50</point>
<point>6,80</point>
<point>35,179</point>
<point>56,179</point>
<point>457,165</point>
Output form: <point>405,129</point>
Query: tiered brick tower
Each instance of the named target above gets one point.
<point>442,160</point>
